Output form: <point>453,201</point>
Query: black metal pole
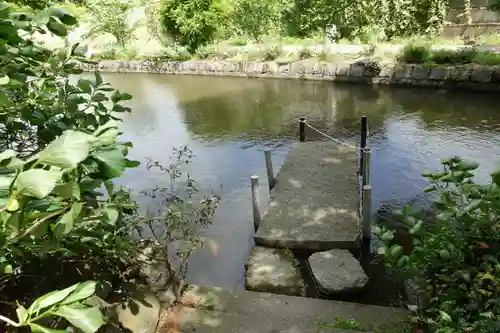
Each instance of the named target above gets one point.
<point>302,129</point>
<point>364,138</point>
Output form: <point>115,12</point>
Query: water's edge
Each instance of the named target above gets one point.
<point>469,77</point>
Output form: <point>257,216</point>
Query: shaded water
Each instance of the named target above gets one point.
<point>228,122</point>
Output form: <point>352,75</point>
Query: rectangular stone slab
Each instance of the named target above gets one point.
<point>314,204</point>
<point>222,311</point>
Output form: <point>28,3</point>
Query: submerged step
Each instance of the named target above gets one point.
<point>274,271</point>
<point>337,272</point>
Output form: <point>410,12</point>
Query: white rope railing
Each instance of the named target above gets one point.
<point>364,170</point>
<point>329,137</point>
<point>332,138</point>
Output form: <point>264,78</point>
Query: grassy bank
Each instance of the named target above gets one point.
<point>412,53</point>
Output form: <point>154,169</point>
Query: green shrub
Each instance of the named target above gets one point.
<point>323,56</point>
<point>238,41</point>
<point>192,23</point>
<point>272,53</point>
<point>206,52</point>
<point>416,54</point>
<point>454,261</point>
<point>487,58</point>
<point>305,53</point>
<point>111,16</point>
<point>256,18</point>
<point>453,57</point>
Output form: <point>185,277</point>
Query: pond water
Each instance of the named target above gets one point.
<point>229,122</point>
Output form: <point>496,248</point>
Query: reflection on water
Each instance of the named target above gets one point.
<point>228,122</point>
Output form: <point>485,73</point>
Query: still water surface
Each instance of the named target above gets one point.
<point>228,122</point>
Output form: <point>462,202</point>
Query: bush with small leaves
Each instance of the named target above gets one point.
<point>455,261</point>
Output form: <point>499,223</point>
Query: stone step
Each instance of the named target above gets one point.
<point>200,321</point>
<point>274,271</point>
<point>337,272</point>
<point>221,311</point>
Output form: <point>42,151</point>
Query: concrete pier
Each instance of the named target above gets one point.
<point>315,201</point>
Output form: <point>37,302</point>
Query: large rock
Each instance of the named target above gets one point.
<point>139,314</point>
<point>153,268</point>
<point>274,271</point>
<point>337,271</point>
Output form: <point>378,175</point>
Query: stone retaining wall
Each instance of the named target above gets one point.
<point>469,77</point>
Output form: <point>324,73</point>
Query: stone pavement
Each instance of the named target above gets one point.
<point>314,204</point>
<point>217,311</point>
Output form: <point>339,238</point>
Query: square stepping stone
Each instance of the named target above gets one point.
<point>337,272</point>
<point>274,271</point>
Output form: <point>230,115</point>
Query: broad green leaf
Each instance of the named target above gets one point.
<point>121,108</point>
<point>473,205</point>
<point>13,225</point>
<point>57,12</point>
<point>98,78</point>
<point>68,190</point>
<point>112,214</point>
<point>416,228</point>
<point>467,165</point>
<point>68,150</point>
<point>125,97</point>
<point>4,80</point>
<point>7,155</point>
<point>99,97</point>
<point>36,183</point>
<point>35,328</point>
<point>444,254</point>
<point>495,176</point>
<point>68,19</point>
<point>89,320</point>
<point>446,215</point>
<point>22,314</point>
<point>50,299</point>
<point>387,236</point>
<point>430,188</point>
<point>112,162</point>
<point>396,250</point>
<point>131,164</point>
<point>108,137</point>
<point>85,85</point>
<point>12,204</point>
<point>112,124</point>
<point>446,161</point>
<point>109,187</point>
<point>444,316</point>
<point>382,250</point>
<point>57,28</point>
<point>15,164</point>
<point>7,269</point>
<point>66,222</point>
<point>4,99</point>
<point>83,291</point>
<point>5,181</point>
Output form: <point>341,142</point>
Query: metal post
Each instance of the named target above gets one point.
<point>255,201</point>
<point>366,159</point>
<point>364,139</point>
<point>367,212</point>
<point>302,129</point>
<point>269,168</point>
